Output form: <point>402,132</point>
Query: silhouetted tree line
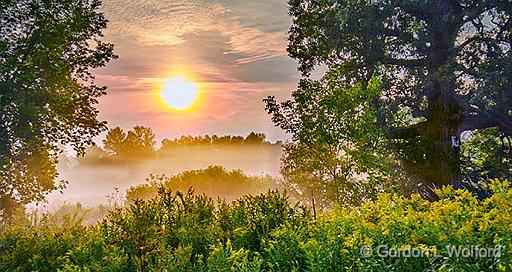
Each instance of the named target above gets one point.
<point>251,139</point>
<point>139,142</point>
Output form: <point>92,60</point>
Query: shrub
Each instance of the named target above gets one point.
<point>187,232</point>
<point>214,181</point>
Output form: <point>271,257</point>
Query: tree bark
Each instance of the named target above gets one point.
<point>438,137</point>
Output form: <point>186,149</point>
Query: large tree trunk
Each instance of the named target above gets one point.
<point>441,137</point>
<point>430,150</point>
<point>442,131</point>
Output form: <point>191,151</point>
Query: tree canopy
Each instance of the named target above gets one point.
<point>444,68</point>
<point>47,97</point>
<point>139,141</point>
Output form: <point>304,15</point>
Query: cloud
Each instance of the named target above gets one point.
<point>159,22</point>
<point>256,45</point>
<point>237,49</point>
<point>255,30</point>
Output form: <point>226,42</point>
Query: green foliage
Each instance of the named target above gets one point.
<point>186,232</point>
<point>443,65</point>
<point>252,138</point>
<point>213,181</point>
<point>338,152</point>
<point>179,231</point>
<point>47,248</point>
<point>488,155</point>
<point>47,99</point>
<point>224,258</point>
<point>136,143</point>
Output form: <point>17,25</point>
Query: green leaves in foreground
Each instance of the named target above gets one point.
<point>185,232</point>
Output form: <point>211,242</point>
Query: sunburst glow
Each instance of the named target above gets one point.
<point>179,93</point>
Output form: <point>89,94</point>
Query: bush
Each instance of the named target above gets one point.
<point>187,232</point>
<point>214,181</point>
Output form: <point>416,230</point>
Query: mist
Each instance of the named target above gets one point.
<point>91,179</point>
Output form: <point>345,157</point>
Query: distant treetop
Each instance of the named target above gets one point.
<point>252,138</point>
<point>140,141</point>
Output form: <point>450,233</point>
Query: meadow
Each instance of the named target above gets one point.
<point>176,231</point>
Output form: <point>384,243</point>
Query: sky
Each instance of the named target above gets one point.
<point>234,49</point>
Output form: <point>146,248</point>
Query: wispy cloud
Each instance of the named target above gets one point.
<point>159,22</point>
<point>236,47</point>
<point>250,27</point>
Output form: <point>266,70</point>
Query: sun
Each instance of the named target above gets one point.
<point>179,93</point>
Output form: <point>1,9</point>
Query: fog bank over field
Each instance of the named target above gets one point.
<point>92,178</point>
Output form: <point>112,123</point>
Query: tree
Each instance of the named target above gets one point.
<point>47,98</point>
<point>114,141</point>
<point>445,67</point>
<point>139,141</point>
<point>214,181</point>
<point>336,154</point>
<point>255,138</point>
<point>487,155</point>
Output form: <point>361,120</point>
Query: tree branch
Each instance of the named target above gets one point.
<point>476,121</point>
<point>487,119</point>
<point>406,132</point>
<point>467,71</point>
<point>475,38</point>
<point>415,9</point>
<point>455,4</point>
<point>404,62</point>
<point>472,122</point>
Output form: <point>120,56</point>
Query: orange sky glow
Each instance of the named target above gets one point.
<point>234,50</point>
